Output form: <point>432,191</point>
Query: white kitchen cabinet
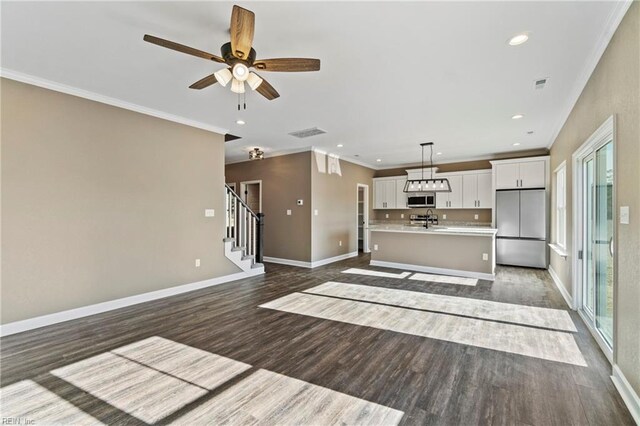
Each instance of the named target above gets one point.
<point>401,196</point>
<point>453,199</point>
<point>485,192</point>
<point>507,175</point>
<point>385,193</point>
<point>532,174</point>
<point>525,174</point>
<point>476,191</point>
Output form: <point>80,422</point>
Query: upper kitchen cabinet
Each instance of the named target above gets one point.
<point>476,190</point>
<point>521,173</point>
<point>388,193</point>
<point>453,199</point>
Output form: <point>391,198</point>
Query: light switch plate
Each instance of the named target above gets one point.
<point>300,202</point>
<point>485,256</point>
<point>375,247</point>
<point>386,216</point>
<point>209,213</point>
<point>401,215</point>
<point>444,216</point>
<point>288,212</point>
<point>475,217</point>
<point>624,215</point>
<point>197,263</point>
<point>315,212</point>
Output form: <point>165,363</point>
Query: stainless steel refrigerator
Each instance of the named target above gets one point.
<point>521,219</point>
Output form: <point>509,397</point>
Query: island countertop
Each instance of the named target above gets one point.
<point>435,229</point>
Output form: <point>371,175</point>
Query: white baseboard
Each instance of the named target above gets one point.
<point>333,259</point>
<point>429,269</point>
<point>303,264</point>
<point>290,262</point>
<point>629,396</point>
<point>85,311</point>
<point>561,288</point>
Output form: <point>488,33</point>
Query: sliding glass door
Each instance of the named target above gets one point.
<point>597,239</point>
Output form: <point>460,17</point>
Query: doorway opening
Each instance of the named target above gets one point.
<point>251,194</point>
<point>362,217</point>
<point>594,234</point>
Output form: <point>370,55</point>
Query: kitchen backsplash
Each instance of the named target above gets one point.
<point>453,215</point>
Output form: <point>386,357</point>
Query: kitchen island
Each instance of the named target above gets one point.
<point>464,251</point>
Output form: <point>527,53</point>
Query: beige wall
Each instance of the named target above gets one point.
<point>613,89</point>
<point>100,203</point>
<point>285,179</point>
<point>335,197</point>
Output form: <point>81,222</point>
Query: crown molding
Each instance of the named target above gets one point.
<point>85,94</point>
<point>613,21</point>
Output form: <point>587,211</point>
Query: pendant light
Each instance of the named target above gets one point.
<point>430,184</point>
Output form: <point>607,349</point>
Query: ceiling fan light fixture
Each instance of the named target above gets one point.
<point>256,154</point>
<point>223,76</point>
<point>240,71</point>
<point>237,86</point>
<point>254,81</point>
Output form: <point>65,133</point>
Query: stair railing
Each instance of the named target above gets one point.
<point>244,225</point>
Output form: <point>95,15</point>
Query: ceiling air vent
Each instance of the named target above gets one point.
<point>306,133</point>
<point>540,83</point>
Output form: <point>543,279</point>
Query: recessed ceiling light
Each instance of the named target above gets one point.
<point>240,122</point>
<point>438,153</point>
<point>379,160</point>
<point>517,116</point>
<point>516,144</point>
<point>339,145</point>
<point>518,39</point>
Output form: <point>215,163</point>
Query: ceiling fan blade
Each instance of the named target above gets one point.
<point>287,64</point>
<point>182,48</point>
<point>242,26</point>
<point>267,90</point>
<point>205,82</point>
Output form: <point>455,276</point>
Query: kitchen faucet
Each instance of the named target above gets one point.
<point>429,214</point>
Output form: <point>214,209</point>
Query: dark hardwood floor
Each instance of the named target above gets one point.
<point>431,381</point>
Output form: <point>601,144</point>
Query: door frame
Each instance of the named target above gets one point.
<point>598,139</point>
<point>365,217</point>
<point>243,187</point>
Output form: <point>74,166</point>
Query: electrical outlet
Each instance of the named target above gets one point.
<point>315,212</point>
<point>209,213</point>
<point>340,243</point>
<point>485,256</point>
<point>444,216</point>
<point>386,216</point>
<point>624,215</point>
<point>197,263</point>
<point>401,215</point>
<point>475,217</point>
<point>375,247</point>
<point>288,212</point>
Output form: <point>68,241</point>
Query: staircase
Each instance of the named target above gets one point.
<point>243,244</point>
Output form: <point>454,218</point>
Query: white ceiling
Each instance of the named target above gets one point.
<point>393,74</point>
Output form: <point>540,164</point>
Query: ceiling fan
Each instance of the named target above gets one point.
<point>240,58</point>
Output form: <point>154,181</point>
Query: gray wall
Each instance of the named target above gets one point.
<point>614,88</point>
<point>285,179</point>
<point>100,203</point>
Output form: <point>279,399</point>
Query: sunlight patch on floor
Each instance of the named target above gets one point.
<point>444,279</point>
<point>372,273</point>
<point>27,402</point>
<point>482,309</point>
<point>267,398</point>
<point>533,342</point>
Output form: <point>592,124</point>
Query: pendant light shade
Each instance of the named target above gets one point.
<point>254,81</point>
<point>223,76</point>
<point>427,184</point>
<point>237,86</point>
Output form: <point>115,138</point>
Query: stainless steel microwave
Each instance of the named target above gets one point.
<point>427,199</point>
